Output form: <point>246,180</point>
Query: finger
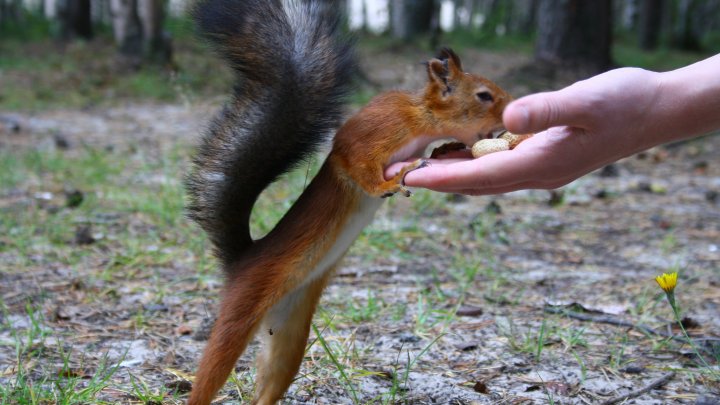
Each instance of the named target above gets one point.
<point>499,190</point>
<point>508,188</point>
<point>392,170</point>
<point>486,172</point>
<point>538,112</point>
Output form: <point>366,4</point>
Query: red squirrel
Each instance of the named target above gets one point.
<point>293,69</point>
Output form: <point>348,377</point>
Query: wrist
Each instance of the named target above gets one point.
<point>689,100</point>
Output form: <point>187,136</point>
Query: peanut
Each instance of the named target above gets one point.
<point>487,146</point>
<point>506,141</point>
<point>513,139</point>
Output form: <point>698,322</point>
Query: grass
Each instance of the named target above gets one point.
<point>342,356</point>
<point>144,393</point>
<point>359,311</point>
<point>42,75</point>
<point>139,233</point>
<point>344,379</point>
<point>100,177</point>
<point>65,383</point>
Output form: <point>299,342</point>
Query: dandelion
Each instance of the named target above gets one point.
<point>667,281</point>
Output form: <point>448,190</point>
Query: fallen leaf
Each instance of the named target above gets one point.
<point>179,374</point>
<point>183,330</point>
<point>633,369</point>
<point>72,373</point>
<point>558,387</point>
<point>179,386</point>
<point>83,235</point>
<point>466,346</point>
<point>481,387</point>
<point>469,310</point>
<point>690,323</point>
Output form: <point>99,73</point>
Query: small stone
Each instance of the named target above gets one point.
<point>610,170</point>
<point>83,235</point>
<point>711,196</point>
<point>493,208</point>
<point>707,400</point>
<point>409,338</point>
<point>73,198</point>
<point>481,388</point>
<point>61,142</point>
<point>633,369</point>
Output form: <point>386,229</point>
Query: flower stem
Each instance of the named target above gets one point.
<point>676,312</point>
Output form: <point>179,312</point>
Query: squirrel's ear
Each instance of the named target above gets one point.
<point>437,71</point>
<point>452,59</point>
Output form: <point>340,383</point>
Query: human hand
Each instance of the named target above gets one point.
<point>583,127</point>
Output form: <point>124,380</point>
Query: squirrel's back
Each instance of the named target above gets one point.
<point>293,69</point>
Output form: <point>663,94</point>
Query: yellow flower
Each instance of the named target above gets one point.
<point>667,281</point>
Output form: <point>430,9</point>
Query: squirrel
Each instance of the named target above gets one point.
<point>293,69</point>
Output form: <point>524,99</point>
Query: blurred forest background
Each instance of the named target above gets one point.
<point>80,52</point>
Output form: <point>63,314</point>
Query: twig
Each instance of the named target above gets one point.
<point>611,320</point>
<point>606,319</point>
<point>636,393</point>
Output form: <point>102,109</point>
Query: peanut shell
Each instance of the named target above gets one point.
<point>486,146</point>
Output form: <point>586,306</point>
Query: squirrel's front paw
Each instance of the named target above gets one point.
<point>397,183</point>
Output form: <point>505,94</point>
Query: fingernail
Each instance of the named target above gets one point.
<point>517,117</point>
<point>524,117</point>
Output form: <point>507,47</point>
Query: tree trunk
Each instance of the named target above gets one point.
<point>575,34</point>
<point>156,43</point>
<point>627,14</point>
<point>10,12</point>
<point>493,16</point>
<point>411,18</point>
<point>523,16</point>
<point>471,7</point>
<point>366,17</point>
<point>75,19</point>
<point>650,21</point>
<point>686,33</point>
<point>127,29</point>
<point>139,34</point>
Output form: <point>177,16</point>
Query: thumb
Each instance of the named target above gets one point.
<point>538,112</point>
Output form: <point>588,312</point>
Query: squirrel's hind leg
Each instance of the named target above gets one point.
<point>246,299</point>
<point>230,335</point>
<point>284,333</point>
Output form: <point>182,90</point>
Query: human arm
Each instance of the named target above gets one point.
<point>586,126</point>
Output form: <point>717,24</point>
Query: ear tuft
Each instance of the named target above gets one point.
<point>448,54</point>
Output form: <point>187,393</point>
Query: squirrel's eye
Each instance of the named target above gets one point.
<point>484,96</point>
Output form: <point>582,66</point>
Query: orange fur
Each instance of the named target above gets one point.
<point>278,285</point>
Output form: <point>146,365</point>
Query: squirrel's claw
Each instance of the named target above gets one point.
<point>400,189</point>
<point>418,164</point>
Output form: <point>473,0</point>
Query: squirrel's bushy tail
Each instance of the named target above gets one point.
<point>293,69</point>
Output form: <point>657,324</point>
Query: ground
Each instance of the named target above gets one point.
<point>108,290</point>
